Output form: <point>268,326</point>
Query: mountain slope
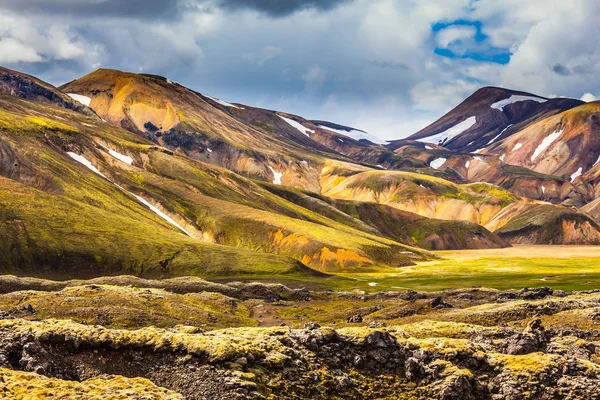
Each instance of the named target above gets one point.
<point>203,127</point>
<point>157,213</point>
<point>488,115</point>
<point>566,144</point>
<point>482,203</point>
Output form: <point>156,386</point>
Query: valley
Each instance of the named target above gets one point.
<point>160,243</point>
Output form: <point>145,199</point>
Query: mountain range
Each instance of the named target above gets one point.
<point>117,173</point>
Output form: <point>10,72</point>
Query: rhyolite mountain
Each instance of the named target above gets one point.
<point>302,153</point>
<point>126,173</point>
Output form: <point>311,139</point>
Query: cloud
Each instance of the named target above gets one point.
<point>151,9</point>
<point>263,56</point>
<point>588,97</point>
<point>280,8</point>
<point>373,64</point>
<point>13,51</point>
<point>315,75</point>
<point>454,33</point>
<point>390,65</point>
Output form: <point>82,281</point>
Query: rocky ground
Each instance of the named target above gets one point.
<point>283,343</point>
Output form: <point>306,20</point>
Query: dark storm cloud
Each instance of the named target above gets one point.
<point>146,9</point>
<point>159,9</point>
<point>576,70</point>
<point>561,70</point>
<point>279,8</point>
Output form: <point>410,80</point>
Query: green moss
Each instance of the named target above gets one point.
<point>125,307</point>
<point>27,385</point>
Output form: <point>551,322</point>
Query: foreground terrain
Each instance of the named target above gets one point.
<point>92,339</point>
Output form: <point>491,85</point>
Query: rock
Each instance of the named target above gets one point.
<point>413,369</point>
<point>355,319</point>
<point>439,303</point>
<point>311,326</point>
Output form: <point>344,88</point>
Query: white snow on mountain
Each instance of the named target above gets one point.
<point>355,134</point>
<point>159,213</point>
<point>500,134</point>
<point>82,99</point>
<point>221,102</point>
<point>548,140</point>
<point>119,156</point>
<point>576,174</point>
<point>499,105</point>
<point>517,146</point>
<point>276,176</point>
<point>82,160</point>
<point>444,137</point>
<point>437,163</point>
<point>297,125</point>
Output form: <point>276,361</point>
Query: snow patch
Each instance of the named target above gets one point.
<point>479,150</point>
<point>355,134</point>
<point>500,134</point>
<point>517,146</point>
<point>119,156</point>
<point>169,81</point>
<point>437,163</point>
<point>548,140</point>
<point>297,125</point>
<point>221,102</point>
<point>209,150</point>
<point>467,164</point>
<point>82,99</point>
<point>372,284</point>
<point>82,160</point>
<point>477,158</point>
<point>576,174</point>
<point>159,213</point>
<point>423,186</point>
<point>428,148</point>
<point>502,157</point>
<point>597,162</point>
<point>276,176</point>
<point>499,105</point>
<point>340,140</point>
<point>543,189</point>
<point>443,137</point>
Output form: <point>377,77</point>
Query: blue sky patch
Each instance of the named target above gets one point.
<point>479,48</point>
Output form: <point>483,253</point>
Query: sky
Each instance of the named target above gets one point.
<point>389,67</point>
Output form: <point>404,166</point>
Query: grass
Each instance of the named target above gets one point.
<point>560,267</point>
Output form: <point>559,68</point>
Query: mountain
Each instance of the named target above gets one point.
<point>488,115</point>
<point>82,196</point>
<point>291,150</point>
<point>176,182</point>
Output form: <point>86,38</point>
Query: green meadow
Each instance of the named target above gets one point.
<point>559,267</point>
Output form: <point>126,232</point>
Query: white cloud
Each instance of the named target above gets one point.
<point>13,51</point>
<point>453,33</point>
<point>588,97</point>
<point>368,64</point>
<point>433,96</point>
<point>263,56</point>
<point>314,75</point>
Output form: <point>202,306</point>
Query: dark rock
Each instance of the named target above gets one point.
<point>355,319</point>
